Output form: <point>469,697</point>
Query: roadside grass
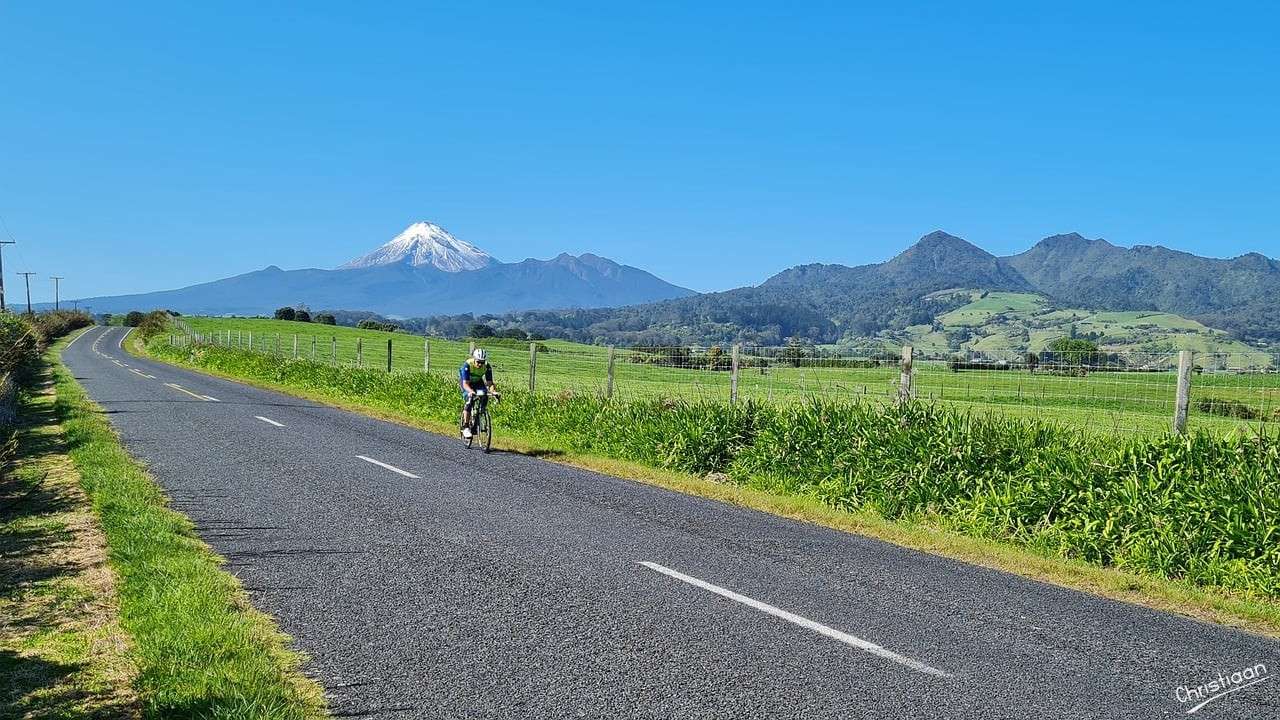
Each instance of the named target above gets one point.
<point>202,651</point>
<point>1183,526</point>
<point>63,653</point>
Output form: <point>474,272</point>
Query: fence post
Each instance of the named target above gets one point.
<point>608,390</point>
<point>904,380</point>
<point>333,350</point>
<point>250,341</point>
<point>388,354</point>
<point>533,367</point>
<point>471,349</point>
<point>426,355</point>
<point>359,352</point>
<point>313,348</point>
<point>733,379</point>
<point>295,346</point>
<point>1183,399</point>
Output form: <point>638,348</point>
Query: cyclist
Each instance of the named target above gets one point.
<point>475,373</point>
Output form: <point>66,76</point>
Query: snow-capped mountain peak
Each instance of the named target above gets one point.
<point>424,243</point>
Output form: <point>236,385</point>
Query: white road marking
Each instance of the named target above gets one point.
<point>210,398</point>
<point>803,622</point>
<point>74,339</point>
<point>392,468</point>
<point>269,421</point>
<point>139,372</point>
<point>179,388</point>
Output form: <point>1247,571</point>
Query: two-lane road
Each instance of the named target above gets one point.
<point>429,581</point>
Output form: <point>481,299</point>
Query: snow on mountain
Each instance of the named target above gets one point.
<point>424,243</point>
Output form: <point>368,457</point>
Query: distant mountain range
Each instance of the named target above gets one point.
<point>423,270</point>
<point>838,303</point>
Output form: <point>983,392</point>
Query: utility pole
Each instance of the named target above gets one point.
<point>27,277</point>
<point>55,279</point>
<point>2,244</point>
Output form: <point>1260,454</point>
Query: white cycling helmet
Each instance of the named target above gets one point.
<point>480,355</point>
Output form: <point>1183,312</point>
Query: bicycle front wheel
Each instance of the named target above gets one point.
<point>486,430</point>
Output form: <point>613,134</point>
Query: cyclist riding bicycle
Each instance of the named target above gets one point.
<point>475,373</point>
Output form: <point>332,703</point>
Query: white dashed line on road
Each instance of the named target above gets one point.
<point>269,421</point>
<point>139,372</point>
<point>801,621</point>
<point>392,468</point>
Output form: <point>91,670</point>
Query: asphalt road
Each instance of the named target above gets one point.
<point>426,580</point>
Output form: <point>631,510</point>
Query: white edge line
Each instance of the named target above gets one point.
<point>803,622</point>
<point>269,421</point>
<point>392,468</point>
<point>74,339</point>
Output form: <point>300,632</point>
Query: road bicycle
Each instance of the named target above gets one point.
<point>481,425</point>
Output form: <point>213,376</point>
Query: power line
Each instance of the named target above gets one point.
<point>27,276</point>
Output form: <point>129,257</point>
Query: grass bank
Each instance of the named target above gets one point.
<point>201,650</point>
<point>1183,524</point>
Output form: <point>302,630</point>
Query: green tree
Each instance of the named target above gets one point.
<point>302,316</point>
<point>285,313</point>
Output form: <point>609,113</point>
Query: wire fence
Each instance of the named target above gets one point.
<point>1103,391</point>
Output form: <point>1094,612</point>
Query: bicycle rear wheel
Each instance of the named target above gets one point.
<point>486,430</point>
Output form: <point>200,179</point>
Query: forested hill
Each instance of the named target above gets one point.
<point>821,303</point>
<point>833,303</point>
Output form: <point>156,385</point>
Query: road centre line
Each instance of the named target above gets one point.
<point>179,388</point>
<point>139,372</point>
<point>392,468</point>
<point>803,622</point>
<point>269,421</point>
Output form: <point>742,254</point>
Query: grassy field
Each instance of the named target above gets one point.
<point>1104,402</point>
<point>1010,324</point>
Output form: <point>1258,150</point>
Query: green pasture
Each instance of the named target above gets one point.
<point>1140,402</point>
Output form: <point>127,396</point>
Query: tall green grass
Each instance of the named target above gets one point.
<point>1204,508</point>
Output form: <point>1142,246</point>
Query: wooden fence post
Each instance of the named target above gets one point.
<point>1183,399</point>
<point>733,379</point>
<point>533,367</point>
<point>608,390</point>
<point>359,352</point>
<point>426,355</point>
<point>388,354</point>
<point>333,349</point>
<point>904,379</point>
<point>471,349</point>
<point>313,348</point>
<point>250,341</point>
<point>295,346</point>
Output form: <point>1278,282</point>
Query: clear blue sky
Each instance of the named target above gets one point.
<point>146,146</point>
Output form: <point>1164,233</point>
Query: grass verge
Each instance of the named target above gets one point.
<point>63,653</point>
<point>674,446</point>
<point>202,650</point>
